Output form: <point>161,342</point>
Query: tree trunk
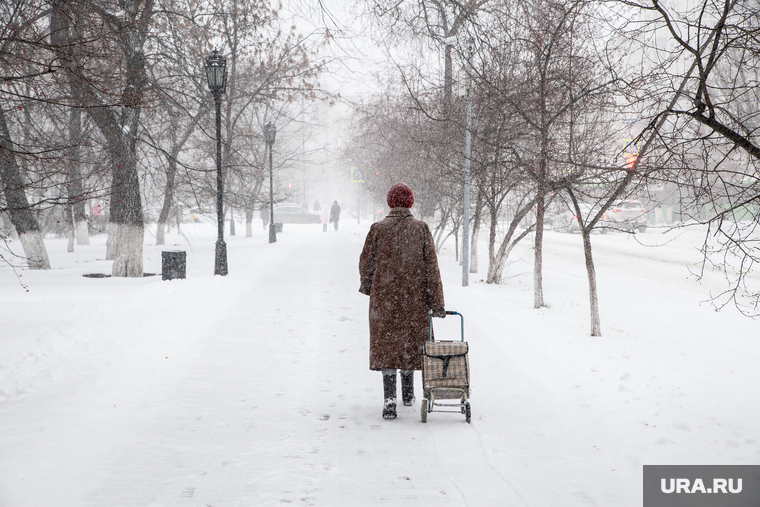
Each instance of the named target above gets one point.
<point>586,228</point>
<point>163,216</point>
<point>538,289</point>
<point>474,250</point>
<point>232,221</point>
<point>160,233</point>
<point>249,222</point>
<point>19,212</point>
<point>69,211</point>
<point>129,256</point>
<point>110,242</point>
<point>127,224</point>
<point>596,326</point>
<point>498,259</point>
<point>456,247</point>
<point>82,228</point>
<point>60,37</point>
<point>76,188</point>
<point>475,232</point>
<point>118,124</point>
<point>448,82</point>
<point>440,229</point>
<point>12,232</point>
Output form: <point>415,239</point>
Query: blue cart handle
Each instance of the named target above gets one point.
<point>430,321</point>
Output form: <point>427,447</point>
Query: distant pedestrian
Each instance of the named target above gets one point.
<point>335,214</point>
<point>399,272</point>
<point>264,216</point>
<point>317,207</point>
<point>324,217</point>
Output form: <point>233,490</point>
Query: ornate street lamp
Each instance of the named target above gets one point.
<point>269,132</point>
<point>216,74</point>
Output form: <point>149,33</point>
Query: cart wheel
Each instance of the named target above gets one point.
<point>467,412</point>
<point>424,410</point>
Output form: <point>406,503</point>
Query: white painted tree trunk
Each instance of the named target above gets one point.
<point>72,234</point>
<point>474,250</point>
<point>82,232</point>
<point>111,241</point>
<point>34,250</point>
<point>129,253</point>
<point>72,230</point>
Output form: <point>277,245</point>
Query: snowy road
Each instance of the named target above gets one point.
<point>253,389</point>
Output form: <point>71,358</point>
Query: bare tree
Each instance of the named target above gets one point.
<point>109,80</point>
<point>708,131</point>
<point>17,205</point>
<point>439,26</point>
<point>175,70</point>
<point>270,70</point>
<point>20,63</point>
<point>544,78</point>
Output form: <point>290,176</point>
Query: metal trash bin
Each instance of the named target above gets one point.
<point>173,264</point>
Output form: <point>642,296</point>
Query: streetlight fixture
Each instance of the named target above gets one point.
<point>216,74</point>
<point>269,133</point>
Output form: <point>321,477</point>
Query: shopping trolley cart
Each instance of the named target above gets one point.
<point>446,375</point>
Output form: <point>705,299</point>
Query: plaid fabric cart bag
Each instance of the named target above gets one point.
<point>446,375</point>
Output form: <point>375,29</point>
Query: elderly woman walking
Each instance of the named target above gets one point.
<point>399,272</point>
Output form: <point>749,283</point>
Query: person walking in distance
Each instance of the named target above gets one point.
<point>398,268</point>
<point>335,214</point>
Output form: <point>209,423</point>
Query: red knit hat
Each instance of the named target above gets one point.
<point>400,196</point>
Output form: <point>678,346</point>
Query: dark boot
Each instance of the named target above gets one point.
<point>389,395</point>
<point>407,387</point>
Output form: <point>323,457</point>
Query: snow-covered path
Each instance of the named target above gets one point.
<point>253,389</point>
<point>278,407</point>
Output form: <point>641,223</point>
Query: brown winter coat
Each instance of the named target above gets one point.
<point>399,271</point>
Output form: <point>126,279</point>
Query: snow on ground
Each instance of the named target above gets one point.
<point>253,389</point>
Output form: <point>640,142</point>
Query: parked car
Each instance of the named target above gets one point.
<point>629,216</point>
<point>294,214</point>
<point>567,221</point>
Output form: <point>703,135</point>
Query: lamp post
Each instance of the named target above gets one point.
<point>216,74</point>
<point>467,151</point>
<point>269,133</point>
